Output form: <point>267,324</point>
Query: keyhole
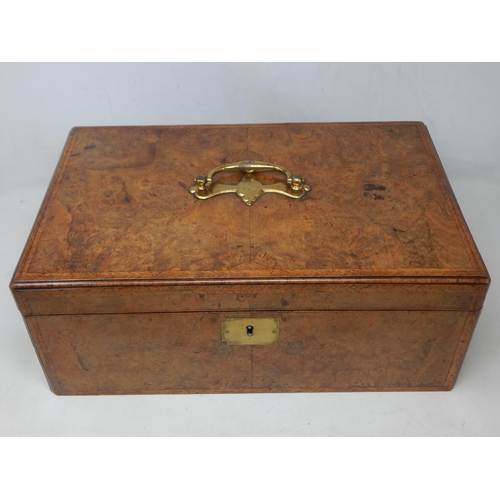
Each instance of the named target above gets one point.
<point>249,331</point>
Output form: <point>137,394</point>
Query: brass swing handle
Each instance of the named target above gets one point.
<point>249,188</point>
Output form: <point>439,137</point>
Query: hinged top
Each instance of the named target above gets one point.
<point>119,209</point>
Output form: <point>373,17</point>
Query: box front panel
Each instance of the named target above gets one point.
<point>315,351</point>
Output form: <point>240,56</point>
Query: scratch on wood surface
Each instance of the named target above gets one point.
<point>81,363</point>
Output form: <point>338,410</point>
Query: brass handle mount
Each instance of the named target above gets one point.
<point>249,188</point>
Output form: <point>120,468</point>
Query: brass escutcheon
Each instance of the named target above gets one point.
<point>250,331</point>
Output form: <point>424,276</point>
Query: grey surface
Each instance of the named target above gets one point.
<point>39,103</point>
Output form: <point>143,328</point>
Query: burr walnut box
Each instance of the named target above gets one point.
<point>250,258</point>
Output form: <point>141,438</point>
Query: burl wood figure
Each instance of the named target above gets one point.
<point>250,258</point>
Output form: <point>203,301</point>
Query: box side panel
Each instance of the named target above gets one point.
<point>44,354</point>
<point>183,353</point>
<point>140,299</point>
<point>463,345</point>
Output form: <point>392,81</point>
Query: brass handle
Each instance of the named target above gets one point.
<point>249,189</point>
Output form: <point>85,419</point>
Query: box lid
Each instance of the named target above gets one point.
<point>119,211</point>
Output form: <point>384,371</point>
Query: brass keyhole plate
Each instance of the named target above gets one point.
<point>264,331</point>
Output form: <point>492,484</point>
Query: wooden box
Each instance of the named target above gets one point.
<point>137,280</point>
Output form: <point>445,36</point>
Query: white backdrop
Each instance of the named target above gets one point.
<point>39,103</point>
